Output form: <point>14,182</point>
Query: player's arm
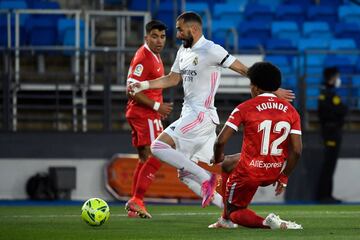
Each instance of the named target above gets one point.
<point>221,57</point>
<point>238,67</point>
<point>295,150</point>
<point>170,80</point>
<point>163,108</point>
<point>286,94</point>
<point>221,140</point>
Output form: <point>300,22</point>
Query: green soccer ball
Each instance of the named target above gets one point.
<point>95,212</point>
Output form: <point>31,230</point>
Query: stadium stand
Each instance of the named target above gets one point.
<point>259,12</point>
<point>312,63</point>
<point>348,30</point>
<point>165,13</point>
<point>225,33</point>
<point>319,30</point>
<point>255,29</point>
<point>322,13</point>
<point>349,13</point>
<point>202,8</point>
<point>11,6</point>
<point>247,44</point>
<point>290,12</point>
<point>279,44</point>
<point>300,36</point>
<point>286,30</point>
<point>66,33</point>
<point>229,12</point>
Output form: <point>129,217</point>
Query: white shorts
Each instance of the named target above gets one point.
<point>194,135</point>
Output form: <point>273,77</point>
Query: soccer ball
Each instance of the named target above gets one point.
<point>95,212</point>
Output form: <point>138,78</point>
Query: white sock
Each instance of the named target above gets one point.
<point>176,159</point>
<point>218,200</point>
<point>192,182</point>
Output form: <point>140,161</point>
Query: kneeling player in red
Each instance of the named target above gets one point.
<point>271,148</point>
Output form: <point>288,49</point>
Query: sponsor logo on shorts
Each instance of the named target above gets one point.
<point>262,164</point>
<point>172,128</point>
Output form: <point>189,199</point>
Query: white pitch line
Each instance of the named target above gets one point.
<point>296,213</point>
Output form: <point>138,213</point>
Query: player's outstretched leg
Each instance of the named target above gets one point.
<point>227,166</point>
<point>274,222</point>
<point>208,189</point>
<point>223,223</point>
<point>166,153</point>
<point>137,206</point>
<point>195,185</point>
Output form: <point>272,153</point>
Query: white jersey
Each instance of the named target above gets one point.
<point>200,69</point>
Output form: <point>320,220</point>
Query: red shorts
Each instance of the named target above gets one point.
<point>144,130</point>
<point>241,189</point>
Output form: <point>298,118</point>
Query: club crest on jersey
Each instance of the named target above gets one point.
<point>138,70</point>
<point>196,61</point>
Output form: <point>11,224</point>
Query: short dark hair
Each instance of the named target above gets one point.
<point>190,17</point>
<point>265,76</point>
<point>155,24</point>
<point>329,73</point>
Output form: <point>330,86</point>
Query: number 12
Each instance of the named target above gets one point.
<point>266,126</point>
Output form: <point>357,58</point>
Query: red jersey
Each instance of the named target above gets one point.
<point>145,65</point>
<point>267,122</point>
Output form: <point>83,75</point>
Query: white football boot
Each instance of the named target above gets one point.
<point>223,223</point>
<point>274,222</point>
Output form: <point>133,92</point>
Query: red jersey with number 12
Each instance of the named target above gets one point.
<point>267,122</point>
<point>144,66</point>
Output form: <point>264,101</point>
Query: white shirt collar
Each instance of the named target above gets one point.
<point>147,47</point>
<point>267,95</point>
<point>200,42</point>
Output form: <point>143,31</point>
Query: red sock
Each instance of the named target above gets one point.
<point>224,178</point>
<point>146,176</point>
<point>135,176</point>
<point>247,218</point>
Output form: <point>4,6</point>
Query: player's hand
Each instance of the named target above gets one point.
<point>165,109</point>
<point>281,184</point>
<point>286,94</point>
<point>134,88</point>
<point>216,161</point>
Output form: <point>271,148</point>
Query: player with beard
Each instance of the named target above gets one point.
<point>191,138</point>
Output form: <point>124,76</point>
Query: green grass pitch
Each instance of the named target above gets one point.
<point>175,222</point>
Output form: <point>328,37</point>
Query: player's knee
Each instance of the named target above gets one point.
<point>182,175</point>
<point>156,147</point>
<point>153,147</point>
<point>144,153</point>
<point>226,167</point>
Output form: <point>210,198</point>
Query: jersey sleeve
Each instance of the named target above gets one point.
<point>235,119</point>
<point>139,70</point>
<point>296,124</point>
<point>221,56</point>
<point>176,66</point>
